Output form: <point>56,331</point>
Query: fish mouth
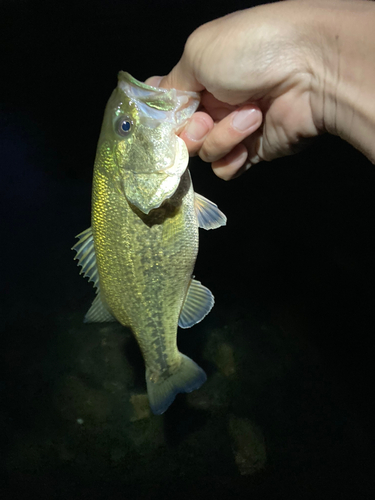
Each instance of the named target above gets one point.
<point>180,102</point>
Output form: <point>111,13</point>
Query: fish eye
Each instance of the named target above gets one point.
<point>124,126</point>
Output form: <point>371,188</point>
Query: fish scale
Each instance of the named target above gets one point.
<point>141,249</point>
<point>126,271</point>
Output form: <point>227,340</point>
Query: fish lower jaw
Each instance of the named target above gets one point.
<point>146,199</point>
<point>147,210</point>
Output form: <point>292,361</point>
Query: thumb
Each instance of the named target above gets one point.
<point>171,82</point>
<point>182,77</point>
<point>154,81</point>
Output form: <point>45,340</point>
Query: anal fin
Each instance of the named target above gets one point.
<point>98,312</point>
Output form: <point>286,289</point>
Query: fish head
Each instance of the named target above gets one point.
<point>140,126</point>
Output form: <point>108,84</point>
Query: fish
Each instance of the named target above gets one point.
<point>142,245</point>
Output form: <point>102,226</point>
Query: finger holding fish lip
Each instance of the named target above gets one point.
<point>223,142</point>
<point>230,166</point>
<point>196,130</point>
<point>199,125</point>
<point>241,158</point>
<point>229,132</point>
<point>154,81</point>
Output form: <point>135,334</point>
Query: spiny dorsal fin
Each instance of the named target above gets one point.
<point>198,303</point>
<point>86,256</point>
<point>98,312</point>
<point>209,216</point>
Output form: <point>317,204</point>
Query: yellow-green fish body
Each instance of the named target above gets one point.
<point>142,247</point>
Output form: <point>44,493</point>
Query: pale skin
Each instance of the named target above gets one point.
<point>274,77</point>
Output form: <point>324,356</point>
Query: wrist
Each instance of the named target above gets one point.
<point>343,86</point>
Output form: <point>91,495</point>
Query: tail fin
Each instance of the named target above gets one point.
<point>187,378</point>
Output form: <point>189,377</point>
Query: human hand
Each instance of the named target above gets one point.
<point>254,71</point>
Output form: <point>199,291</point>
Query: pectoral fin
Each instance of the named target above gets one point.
<point>209,216</point>
<point>86,256</point>
<point>198,303</point>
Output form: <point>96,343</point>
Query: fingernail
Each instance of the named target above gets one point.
<point>196,130</point>
<point>244,119</point>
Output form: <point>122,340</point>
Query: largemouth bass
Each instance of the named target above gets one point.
<point>142,245</point>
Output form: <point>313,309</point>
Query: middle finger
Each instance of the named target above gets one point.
<point>229,132</point>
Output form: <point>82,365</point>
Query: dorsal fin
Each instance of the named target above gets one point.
<point>86,257</point>
<point>209,216</point>
<point>198,303</point>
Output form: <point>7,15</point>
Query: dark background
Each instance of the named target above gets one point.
<point>298,247</point>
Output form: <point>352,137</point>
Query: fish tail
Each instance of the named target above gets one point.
<point>188,378</point>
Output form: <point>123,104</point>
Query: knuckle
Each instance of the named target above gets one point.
<point>192,44</point>
<point>212,149</point>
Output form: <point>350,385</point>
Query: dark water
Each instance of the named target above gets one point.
<point>288,348</point>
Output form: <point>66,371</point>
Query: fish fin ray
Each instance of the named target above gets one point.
<point>198,303</point>
<point>188,378</point>
<point>208,214</point>
<point>85,254</point>
<point>98,312</point>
